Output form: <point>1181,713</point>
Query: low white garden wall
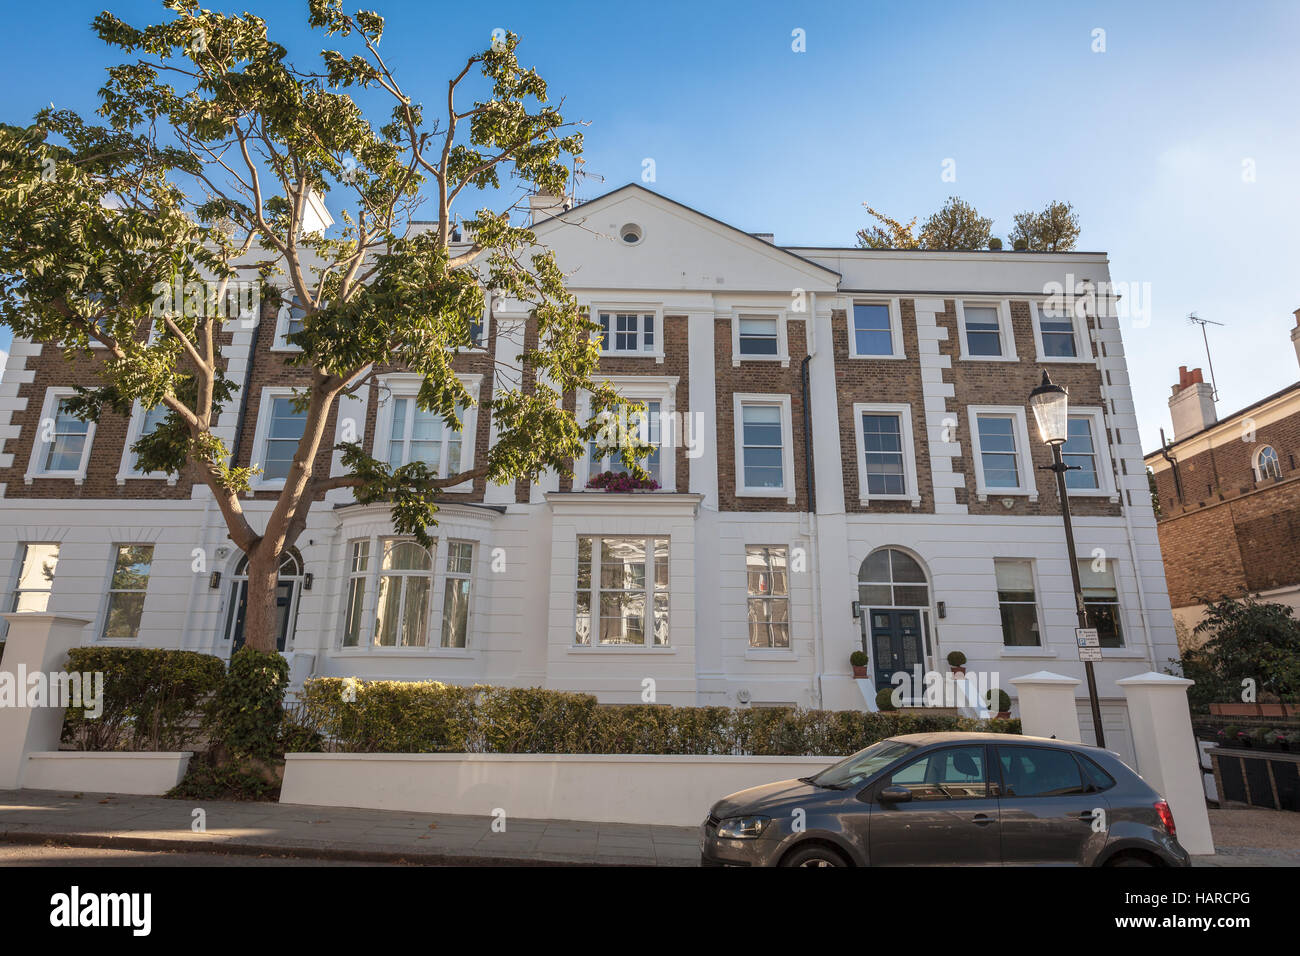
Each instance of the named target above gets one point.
<point>147,773</point>
<point>601,788</point>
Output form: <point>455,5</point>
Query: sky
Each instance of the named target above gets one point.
<point>1171,127</point>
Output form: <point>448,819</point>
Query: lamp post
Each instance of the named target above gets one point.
<point>1050,403</point>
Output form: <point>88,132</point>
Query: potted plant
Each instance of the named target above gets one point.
<point>885,698</point>
<point>858,660</point>
<point>957,661</point>
<point>1004,703</point>
<point>621,482</point>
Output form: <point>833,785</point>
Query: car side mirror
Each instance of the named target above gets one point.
<point>894,795</point>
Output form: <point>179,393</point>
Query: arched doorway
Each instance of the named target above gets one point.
<point>286,600</point>
<point>894,597</point>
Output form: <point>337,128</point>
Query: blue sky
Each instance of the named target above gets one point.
<point>1146,139</point>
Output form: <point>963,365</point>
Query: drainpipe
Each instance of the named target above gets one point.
<point>1173,465</point>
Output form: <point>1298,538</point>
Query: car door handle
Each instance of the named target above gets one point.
<point>1087,816</point>
<point>982,820</point>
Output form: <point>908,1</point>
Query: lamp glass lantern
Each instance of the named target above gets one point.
<point>1051,405</point>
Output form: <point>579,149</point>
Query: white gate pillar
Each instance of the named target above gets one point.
<point>1047,707</point>
<point>37,643</point>
<point>1167,756</point>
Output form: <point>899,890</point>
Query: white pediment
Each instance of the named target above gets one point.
<point>679,248</point>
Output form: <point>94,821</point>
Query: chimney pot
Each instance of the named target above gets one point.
<point>1192,404</point>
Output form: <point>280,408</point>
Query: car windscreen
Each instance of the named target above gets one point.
<point>859,766</point>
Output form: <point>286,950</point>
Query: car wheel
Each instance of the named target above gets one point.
<point>814,856</point>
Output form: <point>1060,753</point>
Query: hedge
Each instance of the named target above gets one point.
<point>153,699</point>
<point>430,717</point>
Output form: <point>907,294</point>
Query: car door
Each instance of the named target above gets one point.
<point>951,818</point>
<point>1048,809</point>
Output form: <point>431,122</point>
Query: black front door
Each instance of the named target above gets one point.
<point>896,644</point>
<point>239,610</point>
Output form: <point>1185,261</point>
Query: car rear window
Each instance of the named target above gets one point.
<point>1039,772</point>
<point>1099,778</point>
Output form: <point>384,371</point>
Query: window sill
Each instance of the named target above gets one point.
<point>1092,493</point>
<point>372,651</point>
<point>77,477</point>
<point>285,348</point>
<point>122,479</point>
<point>631,649</point>
<point>1121,654</point>
<point>866,502</point>
<point>1065,359</point>
<point>785,493</point>
<point>657,356</point>
<point>984,494</point>
<point>782,654</point>
<point>1026,652</point>
<point>877,358</point>
<point>783,359</point>
<point>990,358</point>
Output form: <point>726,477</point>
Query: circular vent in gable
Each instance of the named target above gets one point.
<point>630,233</point>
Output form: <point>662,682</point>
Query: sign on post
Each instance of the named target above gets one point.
<point>1089,643</point>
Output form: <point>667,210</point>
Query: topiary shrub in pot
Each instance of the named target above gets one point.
<point>995,244</point>
<point>957,661</point>
<point>858,660</point>
<point>1003,707</point>
<point>885,698</point>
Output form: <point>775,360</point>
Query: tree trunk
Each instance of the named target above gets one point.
<point>261,616</point>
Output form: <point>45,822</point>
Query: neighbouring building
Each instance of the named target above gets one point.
<point>1229,496</point>
<point>840,430</point>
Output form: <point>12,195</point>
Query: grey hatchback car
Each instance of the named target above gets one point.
<point>950,799</point>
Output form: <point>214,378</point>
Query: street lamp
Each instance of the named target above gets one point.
<point>1050,403</point>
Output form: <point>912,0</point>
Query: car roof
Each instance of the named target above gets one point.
<point>952,736</point>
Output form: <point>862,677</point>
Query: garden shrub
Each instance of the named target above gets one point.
<point>153,698</point>
<point>428,717</point>
<point>247,713</point>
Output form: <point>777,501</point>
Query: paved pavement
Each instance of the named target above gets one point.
<point>154,823</point>
<point>45,855</point>
<point>1244,837</point>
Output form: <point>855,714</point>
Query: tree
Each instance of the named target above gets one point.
<point>889,234</point>
<point>956,226</point>
<point>1245,640</point>
<point>1055,229</point>
<point>214,149</point>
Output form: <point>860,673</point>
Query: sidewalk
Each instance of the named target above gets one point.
<point>255,828</point>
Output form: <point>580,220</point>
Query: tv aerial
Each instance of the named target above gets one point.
<point>1197,320</point>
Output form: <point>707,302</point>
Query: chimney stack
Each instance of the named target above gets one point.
<point>1192,404</point>
<point>544,204</point>
<point>1295,335</point>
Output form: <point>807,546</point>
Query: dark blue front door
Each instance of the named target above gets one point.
<point>896,644</point>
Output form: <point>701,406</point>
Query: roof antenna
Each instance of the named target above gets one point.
<point>579,173</point>
<point>1197,320</point>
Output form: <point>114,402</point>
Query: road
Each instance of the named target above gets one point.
<point>17,855</point>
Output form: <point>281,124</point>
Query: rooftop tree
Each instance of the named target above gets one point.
<point>213,148</point>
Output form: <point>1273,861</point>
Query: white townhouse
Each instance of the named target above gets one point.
<point>845,456</point>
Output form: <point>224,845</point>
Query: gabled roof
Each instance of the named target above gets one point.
<point>591,205</point>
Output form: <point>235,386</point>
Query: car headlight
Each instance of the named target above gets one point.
<point>742,828</point>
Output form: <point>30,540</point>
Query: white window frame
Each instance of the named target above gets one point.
<point>912,491</point>
<point>639,388</point>
<point>1259,453</point>
<point>1024,459</point>
<point>35,467</point>
<point>1121,607</point>
<point>261,434</point>
<point>440,598</point>
<point>16,590</point>
<point>1082,345</point>
<point>126,470</point>
<point>895,328</point>
<point>1101,451</point>
<point>781,401</point>
<point>642,309</point>
<point>107,602</point>
<point>1006,335</point>
<point>282,323</point>
<point>594,591</point>
<point>788,647</point>
<point>1012,649</point>
<point>782,342</point>
<point>407,385</point>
